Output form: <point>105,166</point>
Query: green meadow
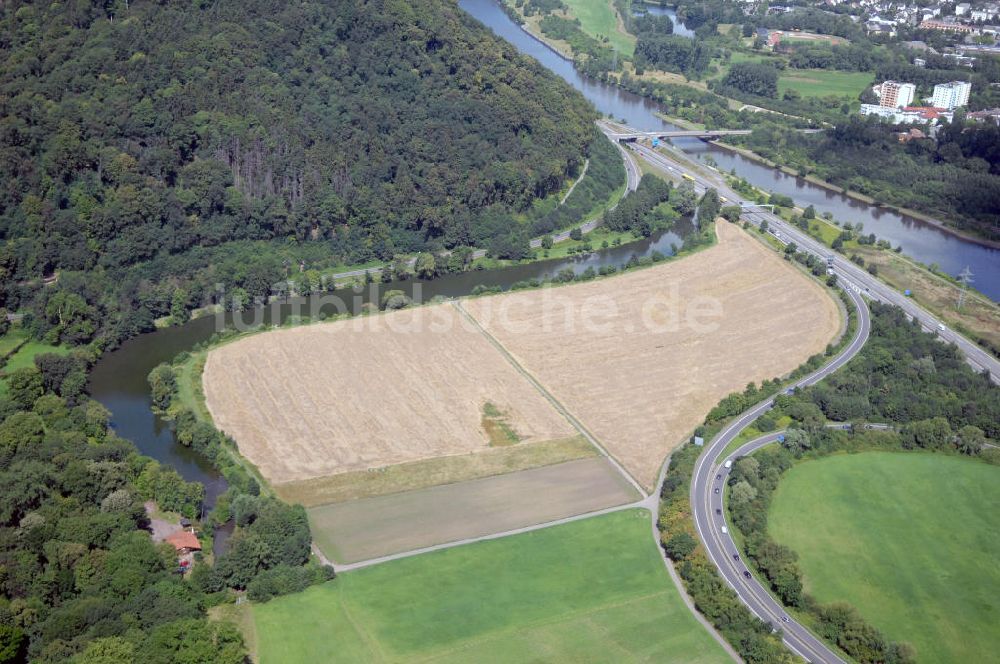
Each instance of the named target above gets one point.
<point>911,540</point>
<point>593,590</point>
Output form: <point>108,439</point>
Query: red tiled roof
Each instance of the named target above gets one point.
<point>926,112</point>
<point>184,539</point>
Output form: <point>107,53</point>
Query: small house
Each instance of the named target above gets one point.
<point>184,541</point>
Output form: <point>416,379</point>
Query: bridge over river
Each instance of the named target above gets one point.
<point>631,136</point>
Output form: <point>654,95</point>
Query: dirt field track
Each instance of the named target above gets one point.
<point>323,399</point>
<point>641,358</point>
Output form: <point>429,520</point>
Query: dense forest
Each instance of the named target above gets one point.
<point>81,580</point>
<point>134,132</point>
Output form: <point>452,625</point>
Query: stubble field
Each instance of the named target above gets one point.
<point>369,392</point>
<point>361,529</point>
<point>640,359</point>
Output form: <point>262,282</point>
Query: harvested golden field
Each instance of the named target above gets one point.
<point>369,392</point>
<point>640,359</point>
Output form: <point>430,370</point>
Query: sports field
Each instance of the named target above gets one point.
<point>641,358</point>
<point>824,82</point>
<point>590,591</point>
<point>599,19</point>
<point>911,540</point>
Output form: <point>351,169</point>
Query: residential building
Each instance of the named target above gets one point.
<point>907,136</point>
<point>950,96</point>
<point>989,115</point>
<point>184,542</point>
<point>962,9</point>
<point>893,94</point>
<point>963,60</point>
<point>986,13</point>
<point>948,26</point>
<point>907,115</point>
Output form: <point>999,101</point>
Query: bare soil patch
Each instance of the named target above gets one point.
<point>369,392</point>
<point>640,359</point>
<point>363,529</point>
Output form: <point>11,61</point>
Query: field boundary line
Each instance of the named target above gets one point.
<point>654,509</point>
<point>639,504</point>
<point>577,424</point>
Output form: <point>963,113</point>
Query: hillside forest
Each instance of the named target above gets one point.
<point>149,148</point>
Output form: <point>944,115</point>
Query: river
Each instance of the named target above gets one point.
<point>920,240</point>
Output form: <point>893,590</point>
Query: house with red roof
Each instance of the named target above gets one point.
<point>185,541</point>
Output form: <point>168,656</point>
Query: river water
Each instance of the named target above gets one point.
<point>119,378</point>
<point>924,242</point>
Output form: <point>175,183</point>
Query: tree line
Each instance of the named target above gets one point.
<point>958,172</point>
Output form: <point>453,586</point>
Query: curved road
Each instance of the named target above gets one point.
<point>710,472</point>
<point>708,490</point>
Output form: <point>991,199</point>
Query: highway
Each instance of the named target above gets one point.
<point>854,276</point>
<point>708,486</point>
<point>710,473</point>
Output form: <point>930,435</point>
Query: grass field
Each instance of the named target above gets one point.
<point>27,349</point>
<point>12,340</point>
<point>911,540</point>
<point>590,591</point>
<point>824,82</point>
<point>25,355</point>
<point>599,19</point>
<point>979,318</point>
<point>628,359</point>
<point>807,82</point>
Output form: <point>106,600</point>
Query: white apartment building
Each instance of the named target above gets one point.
<point>951,95</point>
